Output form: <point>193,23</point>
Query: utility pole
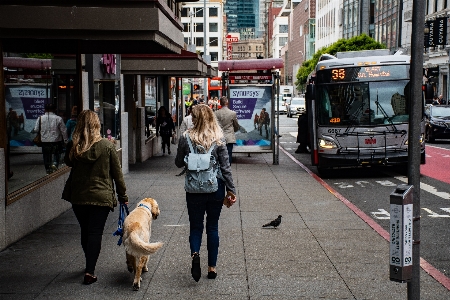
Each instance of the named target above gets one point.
<point>416,108</point>
<point>205,85</point>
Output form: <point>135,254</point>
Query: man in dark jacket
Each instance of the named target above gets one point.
<point>302,134</point>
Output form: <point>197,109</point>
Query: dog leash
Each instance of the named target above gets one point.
<point>123,208</point>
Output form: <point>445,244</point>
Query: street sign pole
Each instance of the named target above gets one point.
<point>416,109</point>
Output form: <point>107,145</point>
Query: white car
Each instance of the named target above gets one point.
<point>296,106</point>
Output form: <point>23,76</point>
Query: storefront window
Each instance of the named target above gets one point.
<point>107,106</point>
<point>150,106</point>
<point>27,91</point>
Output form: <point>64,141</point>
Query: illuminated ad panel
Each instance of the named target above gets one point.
<point>253,106</point>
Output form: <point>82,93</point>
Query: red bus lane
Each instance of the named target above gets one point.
<point>438,164</point>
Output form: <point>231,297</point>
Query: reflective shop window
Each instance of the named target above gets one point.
<point>107,106</point>
<point>27,91</point>
<point>150,106</point>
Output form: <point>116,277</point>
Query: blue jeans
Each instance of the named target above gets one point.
<point>198,205</point>
<point>230,151</point>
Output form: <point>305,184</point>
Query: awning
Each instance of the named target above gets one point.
<point>185,64</point>
<point>251,64</point>
<point>97,27</point>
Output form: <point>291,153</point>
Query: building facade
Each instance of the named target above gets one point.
<point>83,57</point>
<point>248,49</point>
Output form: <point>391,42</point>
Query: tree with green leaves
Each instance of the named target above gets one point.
<point>357,43</point>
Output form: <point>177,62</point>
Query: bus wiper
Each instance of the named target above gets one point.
<point>384,113</point>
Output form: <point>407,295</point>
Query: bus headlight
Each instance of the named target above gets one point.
<point>421,140</point>
<point>326,144</point>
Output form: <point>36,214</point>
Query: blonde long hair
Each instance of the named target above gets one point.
<point>206,130</point>
<point>86,133</point>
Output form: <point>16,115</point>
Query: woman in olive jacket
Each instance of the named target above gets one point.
<point>90,187</point>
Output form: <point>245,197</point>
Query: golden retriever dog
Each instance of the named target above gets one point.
<point>136,236</point>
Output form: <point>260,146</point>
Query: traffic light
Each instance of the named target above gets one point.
<point>196,87</point>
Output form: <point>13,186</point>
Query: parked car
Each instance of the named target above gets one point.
<point>296,106</point>
<point>437,122</point>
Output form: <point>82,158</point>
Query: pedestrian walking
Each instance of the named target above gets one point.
<point>205,133</point>
<point>72,122</point>
<point>53,137</point>
<point>228,122</point>
<point>165,128</point>
<point>187,121</point>
<point>90,188</point>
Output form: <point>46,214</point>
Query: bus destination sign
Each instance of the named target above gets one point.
<point>363,73</point>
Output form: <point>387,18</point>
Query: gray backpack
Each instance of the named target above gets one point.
<point>201,170</point>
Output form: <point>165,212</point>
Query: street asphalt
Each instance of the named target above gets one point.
<point>321,250</point>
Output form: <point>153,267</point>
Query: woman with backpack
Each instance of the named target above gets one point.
<point>206,133</point>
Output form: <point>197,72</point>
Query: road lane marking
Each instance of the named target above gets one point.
<point>433,214</point>
<point>381,212</point>
<point>426,187</point>
<point>425,265</point>
<point>343,185</point>
<point>363,183</point>
<point>386,183</point>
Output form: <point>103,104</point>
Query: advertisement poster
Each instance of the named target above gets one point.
<point>253,106</point>
<point>24,104</point>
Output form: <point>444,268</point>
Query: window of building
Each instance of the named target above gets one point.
<point>213,12</point>
<point>186,40</point>
<point>198,12</point>
<point>283,40</point>
<point>214,56</point>
<point>199,41</point>
<point>283,28</point>
<point>249,48</point>
<point>199,27</point>
<point>185,12</point>
<point>213,27</point>
<point>213,41</point>
<point>301,30</point>
<point>186,27</point>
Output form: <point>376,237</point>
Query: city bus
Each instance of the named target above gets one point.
<point>357,105</point>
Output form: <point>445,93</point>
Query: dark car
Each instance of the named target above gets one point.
<point>437,122</point>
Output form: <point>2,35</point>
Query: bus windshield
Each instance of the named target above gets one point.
<point>363,103</point>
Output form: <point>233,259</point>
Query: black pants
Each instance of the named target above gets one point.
<point>92,219</point>
<point>165,140</point>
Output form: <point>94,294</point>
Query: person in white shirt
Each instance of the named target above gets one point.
<point>187,121</point>
<point>53,137</point>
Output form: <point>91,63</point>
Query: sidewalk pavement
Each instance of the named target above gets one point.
<point>321,250</point>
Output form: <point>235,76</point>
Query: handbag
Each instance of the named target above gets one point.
<point>174,139</point>
<point>37,140</point>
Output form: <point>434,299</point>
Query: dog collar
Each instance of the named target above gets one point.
<point>144,206</point>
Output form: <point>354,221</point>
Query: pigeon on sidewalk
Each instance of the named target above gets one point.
<point>275,223</point>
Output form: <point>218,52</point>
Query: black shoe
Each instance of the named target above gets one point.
<point>89,279</point>
<point>212,275</point>
<point>196,271</point>
<point>169,152</point>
